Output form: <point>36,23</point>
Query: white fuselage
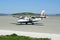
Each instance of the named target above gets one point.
<point>27,19</point>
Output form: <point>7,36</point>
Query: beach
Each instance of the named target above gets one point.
<point>47,25</point>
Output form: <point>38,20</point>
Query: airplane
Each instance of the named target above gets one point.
<point>32,20</point>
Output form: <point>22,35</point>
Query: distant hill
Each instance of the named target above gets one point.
<point>58,14</point>
<point>24,13</point>
<point>3,14</point>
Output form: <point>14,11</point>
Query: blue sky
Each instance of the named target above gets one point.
<point>35,6</point>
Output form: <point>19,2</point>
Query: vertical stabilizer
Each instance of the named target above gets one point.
<point>43,15</point>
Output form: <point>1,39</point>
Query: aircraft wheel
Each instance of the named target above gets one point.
<point>32,23</point>
<point>26,23</point>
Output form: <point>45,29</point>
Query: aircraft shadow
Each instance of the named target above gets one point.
<point>39,24</point>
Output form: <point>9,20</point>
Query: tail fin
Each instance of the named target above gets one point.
<point>43,15</point>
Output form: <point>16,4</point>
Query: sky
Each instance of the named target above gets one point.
<point>35,6</point>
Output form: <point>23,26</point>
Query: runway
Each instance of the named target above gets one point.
<point>48,25</point>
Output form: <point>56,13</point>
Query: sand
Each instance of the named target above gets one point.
<point>48,25</point>
<point>31,34</point>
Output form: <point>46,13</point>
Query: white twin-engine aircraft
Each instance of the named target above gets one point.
<point>32,20</point>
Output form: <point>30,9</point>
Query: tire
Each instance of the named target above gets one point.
<point>32,23</point>
<point>26,23</point>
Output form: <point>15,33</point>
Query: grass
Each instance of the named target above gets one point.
<point>16,37</point>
